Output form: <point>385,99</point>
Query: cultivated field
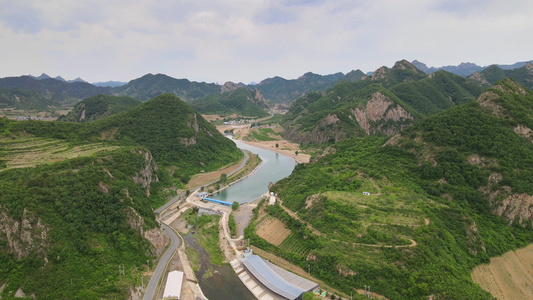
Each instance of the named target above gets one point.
<point>29,151</point>
<point>272,230</point>
<point>509,276</point>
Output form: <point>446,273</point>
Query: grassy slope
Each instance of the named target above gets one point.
<point>462,232</point>
<point>82,202</point>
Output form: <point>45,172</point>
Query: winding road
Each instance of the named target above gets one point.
<point>151,288</point>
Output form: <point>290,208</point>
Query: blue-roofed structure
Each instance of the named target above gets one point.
<point>270,279</point>
<point>218,201</point>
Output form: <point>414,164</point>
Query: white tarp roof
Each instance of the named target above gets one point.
<point>173,286</point>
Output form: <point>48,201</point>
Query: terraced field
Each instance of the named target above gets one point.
<point>509,276</point>
<point>273,230</point>
<point>28,151</point>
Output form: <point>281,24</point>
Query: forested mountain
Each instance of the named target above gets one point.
<point>150,86</point>
<point>77,199</point>
<point>240,101</point>
<point>492,74</point>
<point>354,75</point>
<point>345,111</point>
<point>280,90</point>
<point>98,107</point>
<point>445,195</point>
<point>24,99</point>
<point>49,86</point>
<point>381,104</point>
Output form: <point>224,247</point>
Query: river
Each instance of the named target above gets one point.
<point>274,167</point>
<point>224,283</point>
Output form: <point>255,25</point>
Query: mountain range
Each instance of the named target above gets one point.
<point>464,69</point>
<point>384,103</point>
<point>275,90</point>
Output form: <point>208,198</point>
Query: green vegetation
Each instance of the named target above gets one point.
<point>280,90</point>
<point>240,101</point>
<point>235,205</point>
<point>86,192</point>
<point>207,234</point>
<point>150,86</point>
<point>98,107</point>
<point>263,134</point>
<point>429,217</point>
<point>344,110</point>
<point>493,74</point>
<point>30,100</point>
<point>232,225</point>
<point>78,213</point>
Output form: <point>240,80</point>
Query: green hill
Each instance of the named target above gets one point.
<point>150,86</point>
<point>445,195</point>
<point>344,112</point>
<point>494,73</point>
<point>77,198</point>
<point>281,90</point>
<point>240,101</point>
<point>98,107</point>
<point>21,99</point>
<point>383,104</point>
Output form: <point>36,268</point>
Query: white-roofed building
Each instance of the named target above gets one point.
<point>173,286</point>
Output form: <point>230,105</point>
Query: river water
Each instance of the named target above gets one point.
<point>274,167</point>
<point>224,283</point>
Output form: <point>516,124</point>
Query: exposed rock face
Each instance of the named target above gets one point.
<point>487,100</point>
<point>134,219</point>
<point>516,208</point>
<point>25,236</point>
<point>379,73</point>
<point>405,65</point>
<point>524,131</point>
<point>230,86</point>
<point>159,239</point>
<point>380,108</point>
<point>479,78</point>
<point>145,176</point>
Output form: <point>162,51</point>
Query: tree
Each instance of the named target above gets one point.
<point>235,205</point>
<point>277,145</point>
<point>223,178</point>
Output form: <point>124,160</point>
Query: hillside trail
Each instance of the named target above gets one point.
<point>318,233</point>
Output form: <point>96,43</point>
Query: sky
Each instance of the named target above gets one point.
<point>250,40</point>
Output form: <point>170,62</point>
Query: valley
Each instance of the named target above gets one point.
<point>416,184</point>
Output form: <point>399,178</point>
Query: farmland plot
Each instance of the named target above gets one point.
<point>273,230</point>
<point>509,276</point>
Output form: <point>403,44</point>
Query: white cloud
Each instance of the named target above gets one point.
<point>250,40</point>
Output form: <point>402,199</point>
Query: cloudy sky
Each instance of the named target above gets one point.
<point>250,40</point>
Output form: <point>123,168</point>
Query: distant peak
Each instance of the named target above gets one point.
<point>405,65</point>
<point>420,65</point>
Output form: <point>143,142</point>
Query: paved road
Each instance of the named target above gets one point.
<point>175,241</point>
<point>169,203</point>
<point>151,288</point>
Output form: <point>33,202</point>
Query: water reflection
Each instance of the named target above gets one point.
<point>274,167</point>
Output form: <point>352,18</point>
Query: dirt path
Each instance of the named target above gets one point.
<point>318,233</point>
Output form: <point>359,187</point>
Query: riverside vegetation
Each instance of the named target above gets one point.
<point>441,201</point>
<point>77,225</point>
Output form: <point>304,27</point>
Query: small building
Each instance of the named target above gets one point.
<point>202,195</point>
<point>173,286</point>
